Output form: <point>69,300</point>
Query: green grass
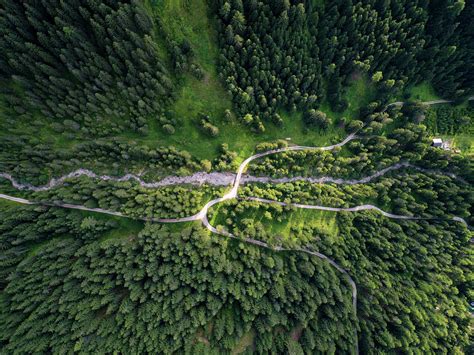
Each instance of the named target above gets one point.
<point>320,220</point>
<point>463,142</point>
<point>359,93</point>
<point>422,92</point>
<point>324,221</point>
<point>8,203</point>
<point>239,138</point>
<point>464,138</point>
<point>126,228</point>
<point>189,20</point>
<point>184,19</point>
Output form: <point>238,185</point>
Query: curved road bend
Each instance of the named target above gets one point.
<point>259,243</point>
<point>202,215</point>
<point>194,218</point>
<point>201,177</point>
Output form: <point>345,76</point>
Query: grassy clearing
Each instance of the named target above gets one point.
<point>189,20</point>
<point>463,142</point>
<point>185,19</point>
<point>320,220</point>
<point>421,92</point>
<point>358,94</point>
<point>324,221</point>
<point>441,121</point>
<point>189,137</point>
<point>126,228</point>
<point>8,203</point>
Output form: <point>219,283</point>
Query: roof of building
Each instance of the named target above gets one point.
<point>437,140</point>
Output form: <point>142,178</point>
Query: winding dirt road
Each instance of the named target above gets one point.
<point>334,209</point>
<point>202,215</point>
<point>353,209</point>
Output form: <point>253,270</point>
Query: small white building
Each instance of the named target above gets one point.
<point>437,142</point>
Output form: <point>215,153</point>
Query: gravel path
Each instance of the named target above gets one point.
<point>222,178</point>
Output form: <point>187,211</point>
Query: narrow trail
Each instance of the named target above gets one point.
<point>238,179</point>
<point>335,209</point>
<point>427,103</point>
<point>366,207</point>
<point>202,215</point>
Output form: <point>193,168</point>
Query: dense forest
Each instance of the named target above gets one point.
<point>160,291</point>
<point>168,88</point>
<point>405,269</point>
<point>450,121</point>
<point>82,62</point>
<point>72,70</point>
<point>286,54</point>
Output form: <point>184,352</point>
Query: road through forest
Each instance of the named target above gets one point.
<point>202,215</point>
<point>238,178</point>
